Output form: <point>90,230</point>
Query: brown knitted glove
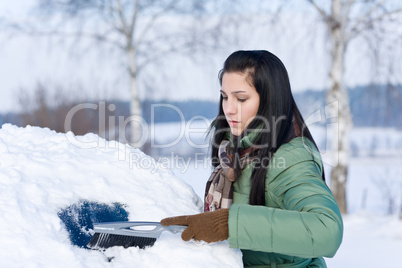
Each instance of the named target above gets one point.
<point>208,226</point>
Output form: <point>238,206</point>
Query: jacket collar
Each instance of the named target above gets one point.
<point>247,140</point>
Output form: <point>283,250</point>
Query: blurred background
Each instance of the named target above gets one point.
<point>146,73</point>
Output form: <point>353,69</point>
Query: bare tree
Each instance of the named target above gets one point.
<point>346,20</point>
<point>388,185</point>
<point>40,107</point>
<point>49,106</point>
<point>137,29</point>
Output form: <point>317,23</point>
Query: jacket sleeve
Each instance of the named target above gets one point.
<point>307,225</point>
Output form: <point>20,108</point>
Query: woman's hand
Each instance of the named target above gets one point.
<point>208,226</point>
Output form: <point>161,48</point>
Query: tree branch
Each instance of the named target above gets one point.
<point>345,19</point>
<point>134,17</point>
<point>119,11</point>
<point>95,36</point>
<point>366,17</point>
<point>151,23</point>
<point>319,9</point>
<point>366,22</point>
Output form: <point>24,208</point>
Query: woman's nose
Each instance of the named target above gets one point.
<point>230,107</point>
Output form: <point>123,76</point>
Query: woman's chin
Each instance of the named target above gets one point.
<point>235,131</point>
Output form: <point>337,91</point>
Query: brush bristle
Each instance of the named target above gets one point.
<point>103,241</point>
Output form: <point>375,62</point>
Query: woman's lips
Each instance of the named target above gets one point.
<point>233,123</point>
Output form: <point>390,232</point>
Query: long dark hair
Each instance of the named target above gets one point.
<point>276,113</point>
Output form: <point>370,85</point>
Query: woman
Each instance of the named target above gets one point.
<point>267,194</point>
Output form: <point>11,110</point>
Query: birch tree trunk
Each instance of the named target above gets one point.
<point>336,22</point>
<point>136,129</point>
<point>339,93</point>
<point>344,25</point>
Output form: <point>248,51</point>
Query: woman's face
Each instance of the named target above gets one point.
<point>240,101</point>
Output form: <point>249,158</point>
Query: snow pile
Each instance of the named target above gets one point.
<point>369,241</point>
<point>42,171</point>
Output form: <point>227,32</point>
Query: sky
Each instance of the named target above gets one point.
<point>26,60</point>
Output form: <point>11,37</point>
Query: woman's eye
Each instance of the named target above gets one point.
<point>224,97</point>
<point>242,100</point>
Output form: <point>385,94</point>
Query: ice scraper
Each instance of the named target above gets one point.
<point>128,234</point>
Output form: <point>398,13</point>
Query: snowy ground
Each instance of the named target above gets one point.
<point>42,171</point>
<point>369,240</point>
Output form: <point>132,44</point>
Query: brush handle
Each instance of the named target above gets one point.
<point>133,228</point>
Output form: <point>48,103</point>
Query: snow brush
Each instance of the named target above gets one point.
<point>128,234</point>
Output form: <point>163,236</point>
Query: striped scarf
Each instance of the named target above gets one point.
<point>219,189</point>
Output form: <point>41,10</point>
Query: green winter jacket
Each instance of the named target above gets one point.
<point>300,222</point>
